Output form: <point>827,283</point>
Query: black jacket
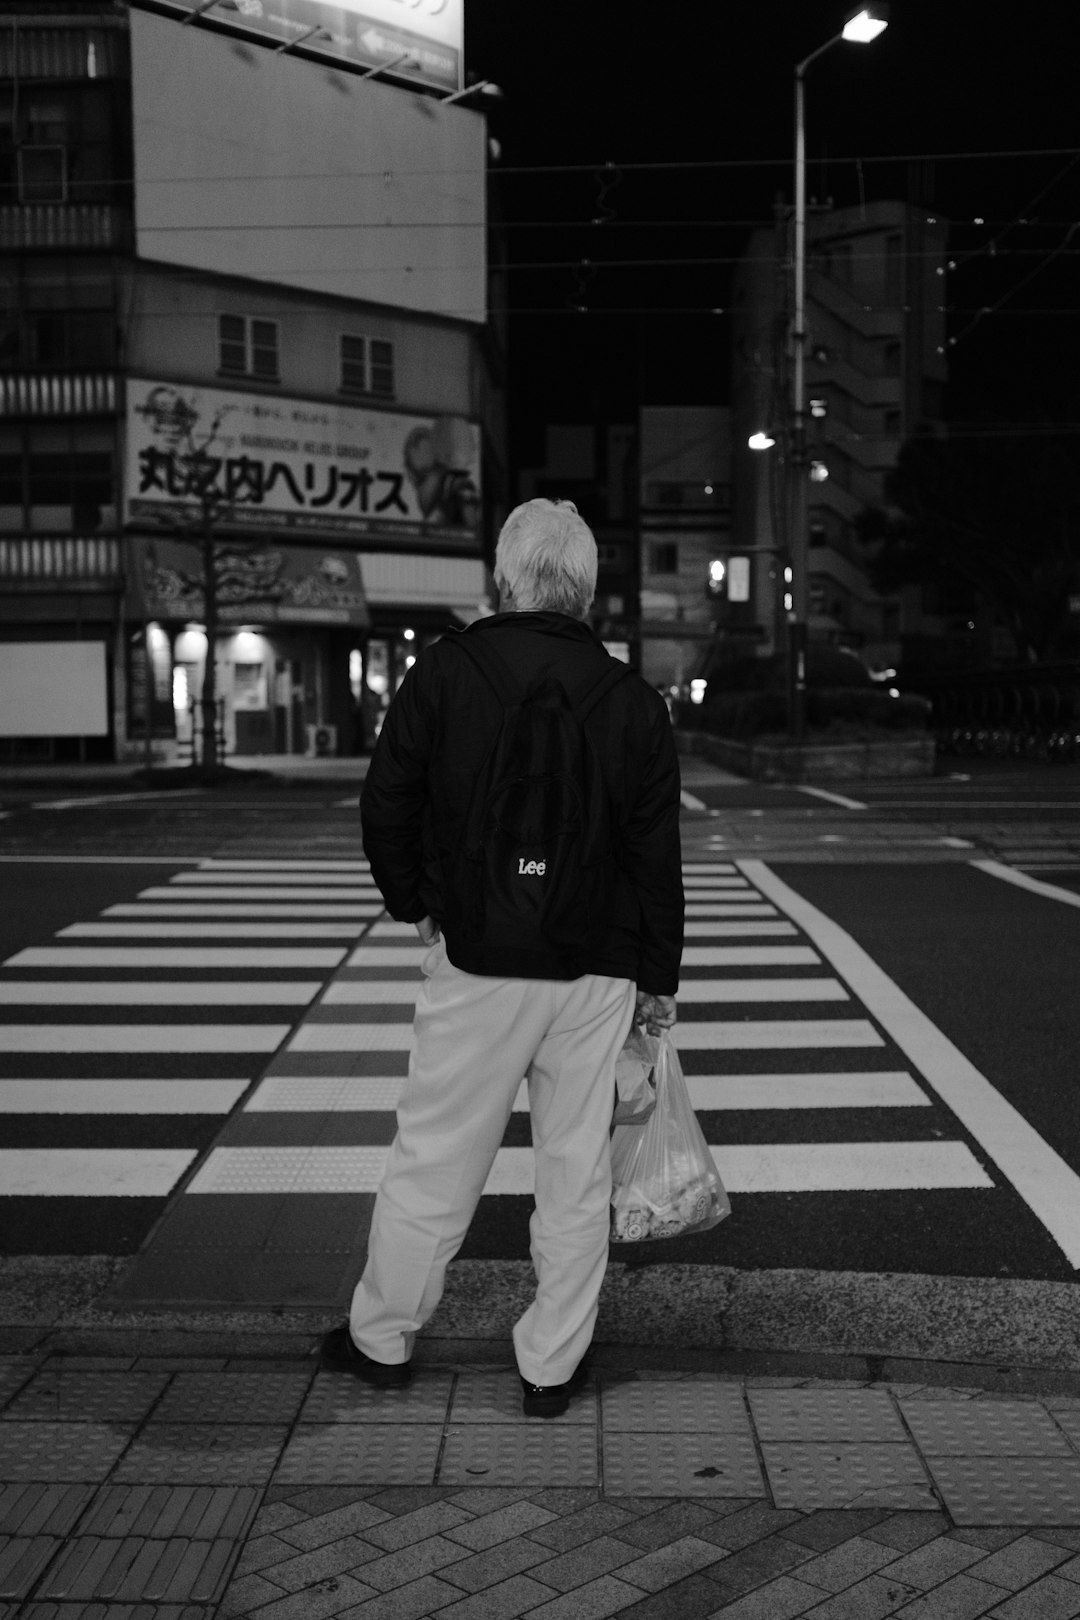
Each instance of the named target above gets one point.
<point>436,735</point>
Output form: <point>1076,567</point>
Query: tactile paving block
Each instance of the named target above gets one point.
<point>135,1570</point>
<point>810,1475</point>
<point>984,1429</point>
<point>110,1397</point>
<point>1009,1490</point>
<point>41,1510</point>
<point>60,1452</point>
<point>22,1560</point>
<point>163,1512</point>
<point>825,1414</point>
<point>675,1407</point>
<point>493,1395</point>
<point>14,1371</point>
<point>681,1465</point>
<point>531,1455</point>
<point>233,1397</point>
<point>340,1398</point>
<point>376,1454</point>
<point>202,1454</point>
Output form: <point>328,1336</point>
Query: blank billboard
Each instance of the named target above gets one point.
<point>53,689</point>
<point>259,164</point>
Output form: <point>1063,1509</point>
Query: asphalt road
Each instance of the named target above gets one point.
<point>991,966</point>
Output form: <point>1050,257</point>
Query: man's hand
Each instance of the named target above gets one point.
<point>428,929</point>
<point>655,1012</point>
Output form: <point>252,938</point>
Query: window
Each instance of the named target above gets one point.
<point>664,557</point>
<point>248,347</point>
<point>42,174</point>
<point>367,366</point>
<point>55,480</point>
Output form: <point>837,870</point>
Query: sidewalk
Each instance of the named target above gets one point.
<point>164,1486</point>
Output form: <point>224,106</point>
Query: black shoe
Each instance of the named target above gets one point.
<point>552,1400</point>
<point>338,1353</point>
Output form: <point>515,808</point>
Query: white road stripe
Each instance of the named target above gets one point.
<point>699,868</point>
<point>689,802</point>
<point>360,867</point>
<point>831,798</point>
<point>699,881</point>
<point>161,1038</point>
<point>388,929</point>
<point>772,1167</point>
<point>209,930</point>
<point>713,909</point>
<point>331,880</point>
<point>185,956</point>
<point>115,798</point>
<point>270,892</point>
<point>703,929</point>
<point>735,1034</point>
<point>135,908</point>
<point>374,992</point>
<point>92,1172</point>
<point>388,955</point>
<point>1009,874</point>
<point>1047,1184</point>
<point>359,1094</point>
<point>729,955</point>
<point>166,1096</point>
<point>156,993</point>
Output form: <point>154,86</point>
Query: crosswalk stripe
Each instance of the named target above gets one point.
<point>92,1172</point>
<point>164,891</point>
<point>703,868</point>
<point>209,930</point>
<point>735,1034</point>
<point>696,908</point>
<point>156,993</point>
<point>388,955</point>
<point>702,928</point>
<point>183,908</point>
<point>393,992</point>
<point>168,1096</point>
<point>161,1038</point>
<point>747,955</point>
<point>745,1168</point>
<point>186,956</point>
<point>202,877</point>
<point>720,884</point>
<point>364,1093</point>
<point>221,865</point>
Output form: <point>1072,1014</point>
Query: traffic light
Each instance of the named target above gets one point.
<point>717,575</point>
<point>729,579</point>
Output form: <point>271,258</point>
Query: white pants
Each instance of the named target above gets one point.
<point>474,1039</point>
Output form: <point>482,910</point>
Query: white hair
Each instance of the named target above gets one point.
<point>546,554</point>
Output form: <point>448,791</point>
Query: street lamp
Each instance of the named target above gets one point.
<point>861,28</point>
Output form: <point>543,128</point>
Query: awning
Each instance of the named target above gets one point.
<point>460,585</point>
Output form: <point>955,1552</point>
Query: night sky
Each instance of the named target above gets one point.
<point>673,126</point>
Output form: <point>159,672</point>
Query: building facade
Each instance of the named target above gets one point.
<point>875,370</point>
<point>245,335</point>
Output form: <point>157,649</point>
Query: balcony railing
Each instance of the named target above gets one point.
<point>62,225</point>
<point>60,559</point>
<point>57,394</point>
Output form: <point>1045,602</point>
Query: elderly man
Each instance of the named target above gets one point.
<point>521,979</point>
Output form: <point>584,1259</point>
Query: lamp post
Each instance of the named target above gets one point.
<point>861,28</point>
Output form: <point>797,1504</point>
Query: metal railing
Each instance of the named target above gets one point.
<point>1031,713</point>
<point>62,558</point>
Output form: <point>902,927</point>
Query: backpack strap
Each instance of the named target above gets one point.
<point>499,672</point>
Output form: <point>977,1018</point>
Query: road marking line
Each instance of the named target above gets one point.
<point>1009,874</point>
<point>701,929</point>
<point>209,930</point>
<point>721,955</point>
<point>388,955</point>
<point>388,929</point>
<point>92,1172</point>
<point>156,993</point>
<point>162,1038</point>
<point>136,908</point>
<point>100,860</point>
<point>1049,1186</point>
<point>165,892</point>
<point>187,956</point>
<point>714,908</point>
<point>359,1094</point>
<point>714,884</point>
<point>692,868</point>
<point>690,803</point>
<point>115,798</point>
<point>166,1096</point>
<point>772,1167</point>
<point>215,865</point>
<point>735,1034</point>
<point>833,798</point>
<point>277,875</point>
<point>369,992</point>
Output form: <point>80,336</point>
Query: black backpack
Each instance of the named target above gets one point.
<point>535,870</point>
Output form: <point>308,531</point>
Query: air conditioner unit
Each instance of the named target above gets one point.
<point>321,741</point>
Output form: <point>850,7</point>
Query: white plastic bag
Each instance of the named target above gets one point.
<point>635,1078</point>
<point>664,1181</point>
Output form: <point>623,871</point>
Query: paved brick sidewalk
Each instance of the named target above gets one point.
<point>181,1489</point>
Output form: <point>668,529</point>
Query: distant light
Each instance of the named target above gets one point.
<point>818,472</point>
<point>978,220</point>
<point>788,576</point>
<point>894,691</point>
<point>788,601</point>
<point>761,441</point>
<point>708,489</point>
<point>819,407</point>
<point>717,570</point>
<point>410,635</point>
<point>697,691</point>
<point>410,661</point>
<point>866,25</point>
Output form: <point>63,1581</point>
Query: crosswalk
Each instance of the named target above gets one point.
<point>126,1041</point>
<point>241,1034</point>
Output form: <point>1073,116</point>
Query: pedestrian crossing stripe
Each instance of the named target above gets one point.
<point>118,929</point>
<point>164,1039</point>
<point>201,877</point>
<point>251,893</point>
<point>177,956</point>
<point>142,1172</point>
<point>157,993</point>
<point>713,1036</point>
<point>358,912</point>
<point>86,1096</point>
<point>402,992</point>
